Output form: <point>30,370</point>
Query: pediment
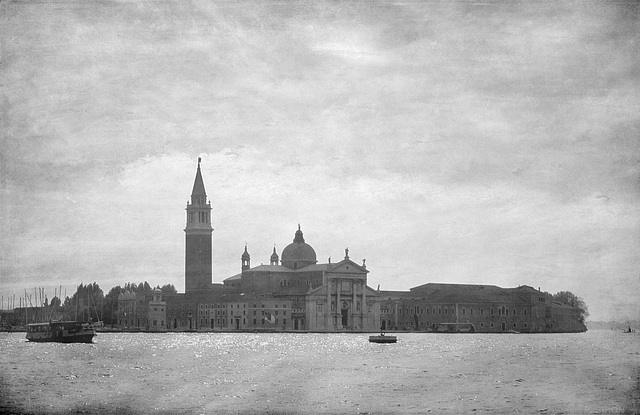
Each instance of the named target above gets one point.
<point>346,266</point>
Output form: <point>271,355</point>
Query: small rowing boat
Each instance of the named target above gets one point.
<point>383,338</point>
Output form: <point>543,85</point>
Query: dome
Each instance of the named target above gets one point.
<point>298,254</point>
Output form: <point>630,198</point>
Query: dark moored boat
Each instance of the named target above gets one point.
<point>61,332</point>
<point>383,338</point>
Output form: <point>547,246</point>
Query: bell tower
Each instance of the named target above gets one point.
<point>197,274</point>
<point>246,260</point>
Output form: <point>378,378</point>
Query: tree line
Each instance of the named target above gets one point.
<point>89,303</point>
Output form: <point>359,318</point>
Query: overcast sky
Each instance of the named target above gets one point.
<point>455,142</point>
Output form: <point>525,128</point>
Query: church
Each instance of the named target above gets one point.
<point>296,293</point>
<point>293,293</point>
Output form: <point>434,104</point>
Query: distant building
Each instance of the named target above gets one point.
<point>479,308</point>
<point>142,312</point>
<point>321,297</point>
<point>296,293</point>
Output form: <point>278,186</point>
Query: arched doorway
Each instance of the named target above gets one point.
<point>345,314</point>
<point>504,326</point>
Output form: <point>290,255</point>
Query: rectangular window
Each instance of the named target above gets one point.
<point>482,311</point>
<point>464,311</point>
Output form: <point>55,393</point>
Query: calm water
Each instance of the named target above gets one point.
<point>593,372</point>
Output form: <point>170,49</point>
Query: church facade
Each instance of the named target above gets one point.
<point>296,293</point>
<point>321,297</point>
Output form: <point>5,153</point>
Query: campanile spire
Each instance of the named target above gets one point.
<point>198,237</point>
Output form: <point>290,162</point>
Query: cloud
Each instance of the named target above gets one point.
<point>449,142</point>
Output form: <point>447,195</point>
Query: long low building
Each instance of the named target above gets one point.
<point>477,308</point>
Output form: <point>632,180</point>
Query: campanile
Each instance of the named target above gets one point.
<point>197,273</point>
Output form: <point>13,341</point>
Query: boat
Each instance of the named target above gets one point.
<point>61,332</point>
<point>382,338</point>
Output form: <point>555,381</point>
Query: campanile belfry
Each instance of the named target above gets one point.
<point>197,274</point>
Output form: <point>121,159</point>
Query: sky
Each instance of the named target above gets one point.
<point>488,142</point>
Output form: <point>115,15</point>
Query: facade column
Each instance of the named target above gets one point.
<point>328,312</point>
<point>364,304</point>
<point>364,296</point>
<point>338,304</point>
<point>354,309</point>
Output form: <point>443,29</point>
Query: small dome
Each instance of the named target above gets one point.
<point>298,254</point>
<point>274,256</point>
<point>245,254</point>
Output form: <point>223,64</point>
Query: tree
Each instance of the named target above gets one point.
<point>573,300</point>
<point>168,289</point>
<point>86,303</point>
<point>111,305</point>
<point>55,302</point>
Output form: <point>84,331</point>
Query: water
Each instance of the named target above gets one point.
<point>593,372</point>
